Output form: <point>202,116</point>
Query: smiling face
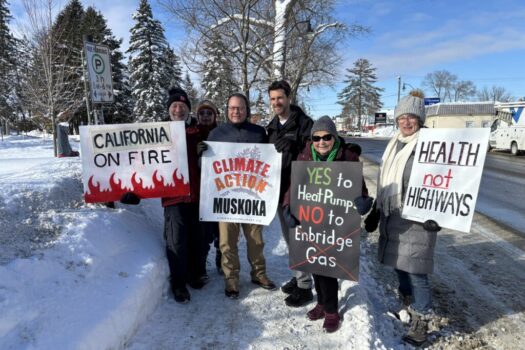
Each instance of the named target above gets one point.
<point>408,124</point>
<point>322,146</point>
<point>178,111</point>
<point>237,112</point>
<point>206,116</point>
<point>280,103</point>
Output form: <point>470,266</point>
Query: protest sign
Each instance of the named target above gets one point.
<point>445,176</point>
<point>322,198</point>
<point>240,182</point>
<point>147,159</point>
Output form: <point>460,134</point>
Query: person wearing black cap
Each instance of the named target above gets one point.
<point>182,232</point>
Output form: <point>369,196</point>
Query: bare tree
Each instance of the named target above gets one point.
<point>46,89</point>
<point>494,93</point>
<point>463,90</point>
<point>441,83</point>
<point>265,39</point>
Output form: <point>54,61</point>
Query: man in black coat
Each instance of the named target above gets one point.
<point>289,131</point>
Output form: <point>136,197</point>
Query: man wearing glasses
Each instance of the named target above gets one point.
<point>238,129</point>
<point>289,131</point>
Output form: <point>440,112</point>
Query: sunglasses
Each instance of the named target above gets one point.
<point>326,137</point>
<point>205,112</point>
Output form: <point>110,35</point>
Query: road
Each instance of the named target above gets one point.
<point>502,187</point>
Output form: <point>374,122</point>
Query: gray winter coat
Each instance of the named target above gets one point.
<point>404,244</point>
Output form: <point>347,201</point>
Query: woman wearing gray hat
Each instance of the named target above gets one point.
<point>405,245</point>
<point>327,146</point>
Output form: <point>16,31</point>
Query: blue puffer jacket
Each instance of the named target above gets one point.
<point>245,132</point>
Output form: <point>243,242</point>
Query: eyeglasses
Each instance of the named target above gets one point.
<point>240,109</point>
<point>407,117</point>
<point>205,112</point>
<point>326,137</point>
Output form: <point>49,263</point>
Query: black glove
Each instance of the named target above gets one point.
<point>290,220</point>
<point>130,198</point>
<point>201,147</point>
<point>284,145</point>
<point>432,226</point>
<point>363,204</point>
<point>372,220</point>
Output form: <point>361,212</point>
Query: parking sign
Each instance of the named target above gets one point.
<point>99,68</point>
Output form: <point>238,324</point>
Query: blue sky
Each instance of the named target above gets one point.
<point>482,41</point>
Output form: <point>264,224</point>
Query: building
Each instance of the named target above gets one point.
<point>460,115</point>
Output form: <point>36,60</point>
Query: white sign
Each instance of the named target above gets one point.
<point>445,176</point>
<point>99,68</point>
<point>148,159</point>
<point>240,182</point>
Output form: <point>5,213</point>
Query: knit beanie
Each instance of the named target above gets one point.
<point>208,104</point>
<point>411,105</point>
<point>178,95</point>
<point>325,123</point>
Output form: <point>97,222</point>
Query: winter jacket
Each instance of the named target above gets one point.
<point>347,152</point>
<point>194,135</point>
<point>245,132</point>
<point>404,244</point>
<point>297,128</point>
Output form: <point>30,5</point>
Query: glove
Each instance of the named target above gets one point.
<point>201,147</point>
<point>130,198</point>
<point>432,226</point>
<point>290,220</point>
<point>363,204</point>
<point>284,145</point>
<point>372,220</point>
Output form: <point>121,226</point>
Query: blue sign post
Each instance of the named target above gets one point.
<point>431,100</point>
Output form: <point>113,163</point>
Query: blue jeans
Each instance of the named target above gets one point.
<point>418,286</point>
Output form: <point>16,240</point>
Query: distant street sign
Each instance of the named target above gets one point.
<point>431,100</point>
<point>380,118</point>
<point>99,68</point>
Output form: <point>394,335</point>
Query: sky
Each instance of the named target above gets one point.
<point>482,41</point>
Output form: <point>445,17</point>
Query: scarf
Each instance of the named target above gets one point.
<point>331,156</point>
<point>390,176</point>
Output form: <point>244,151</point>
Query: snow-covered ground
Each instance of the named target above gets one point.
<point>78,276</point>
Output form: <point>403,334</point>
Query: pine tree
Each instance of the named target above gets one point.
<point>95,27</point>
<point>67,28</point>
<point>147,47</point>
<point>360,95</point>
<point>173,69</point>
<point>187,85</point>
<point>7,47</point>
<point>217,77</point>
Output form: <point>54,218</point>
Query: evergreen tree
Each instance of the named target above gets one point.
<point>67,29</point>
<point>360,95</point>
<point>217,77</point>
<point>147,47</point>
<point>7,47</point>
<point>95,27</point>
<point>173,69</point>
<point>193,95</point>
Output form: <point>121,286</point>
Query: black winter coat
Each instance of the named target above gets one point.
<point>297,128</point>
<point>240,133</point>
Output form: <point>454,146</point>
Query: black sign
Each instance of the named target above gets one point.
<point>322,198</point>
<point>431,100</point>
<point>380,118</point>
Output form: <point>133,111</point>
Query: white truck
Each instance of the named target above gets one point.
<point>508,129</point>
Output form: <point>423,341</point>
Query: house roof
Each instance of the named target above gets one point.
<point>461,108</point>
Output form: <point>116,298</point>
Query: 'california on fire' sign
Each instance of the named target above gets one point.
<point>322,198</point>
<point>240,182</point>
<point>148,159</point>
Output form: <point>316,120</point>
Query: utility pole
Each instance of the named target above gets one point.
<point>398,87</point>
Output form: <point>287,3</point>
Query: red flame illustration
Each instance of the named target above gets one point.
<point>179,187</point>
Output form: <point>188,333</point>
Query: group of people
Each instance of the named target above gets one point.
<point>405,245</point>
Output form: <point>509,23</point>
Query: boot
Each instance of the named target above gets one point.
<point>299,297</point>
<point>316,313</point>
<point>180,294</point>
<point>290,286</point>
<point>331,322</point>
<point>417,333</point>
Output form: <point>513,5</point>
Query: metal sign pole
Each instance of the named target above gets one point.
<point>86,92</point>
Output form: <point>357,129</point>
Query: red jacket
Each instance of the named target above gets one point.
<point>194,135</point>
